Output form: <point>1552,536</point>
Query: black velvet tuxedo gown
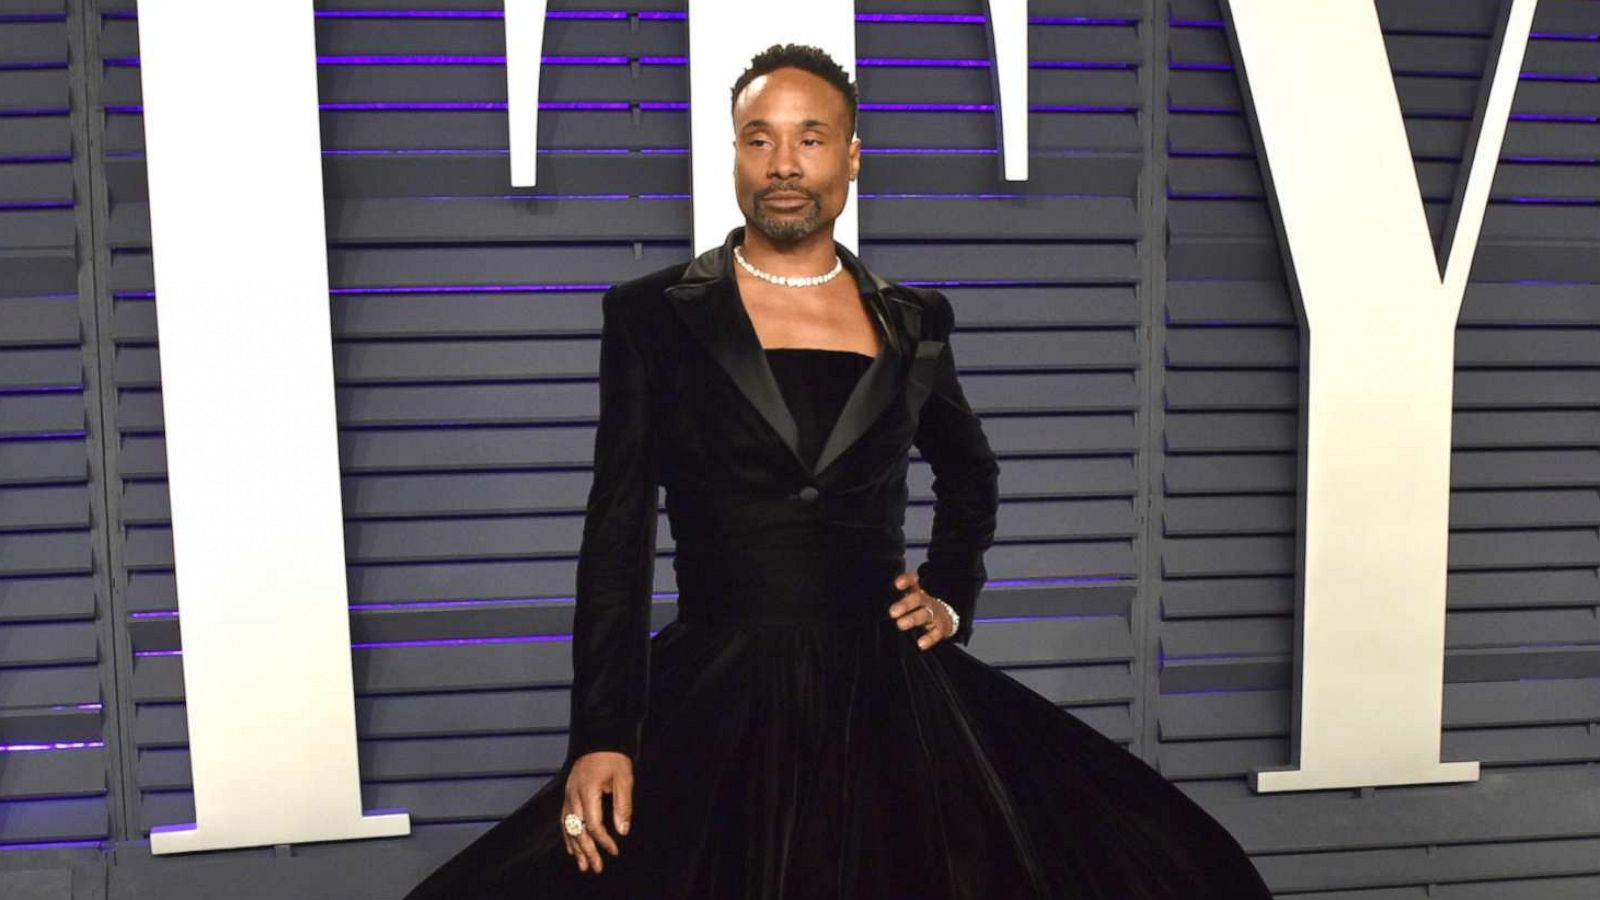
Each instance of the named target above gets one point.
<point>799,746</point>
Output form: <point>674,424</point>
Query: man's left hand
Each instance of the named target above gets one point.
<point>918,609</point>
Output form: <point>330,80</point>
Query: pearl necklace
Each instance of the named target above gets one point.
<point>789,280</point>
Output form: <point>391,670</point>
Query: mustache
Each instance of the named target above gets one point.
<point>764,193</point>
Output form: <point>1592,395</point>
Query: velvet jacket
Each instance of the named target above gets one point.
<point>688,403</point>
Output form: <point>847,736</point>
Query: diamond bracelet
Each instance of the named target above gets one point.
<point>955,617</point>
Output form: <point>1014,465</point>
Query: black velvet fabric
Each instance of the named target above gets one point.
<point>789,742</point>
<point>815,384</point>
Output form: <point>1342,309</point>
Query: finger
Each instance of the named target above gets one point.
<point>572,849</point>
<point>602,835</point>
<point>914,617</point>
<point>571,805</point>
<point>934,631</point>
<point>622,803</point>
<point>575,848</point>
<point>905,582</point>
<point>588,853</point>
<point>594,819</point>
<point>568,840</point>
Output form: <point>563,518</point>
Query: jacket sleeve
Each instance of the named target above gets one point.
<point>966,483</point>
<point>616,560</point>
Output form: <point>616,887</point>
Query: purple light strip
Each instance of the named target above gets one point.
<point>48,389</point>
<point>464,604</point>
<point>1078,20</point>
<point>960,196</point>
<point>1552,201</point>
<point>1076,580</point>
<point>32,17</point>
<point>463,14</point>
<point>37,158</point>
<point>464,60</point>
<point>36,204</point>
<point>981,282</point>
<point>931,18</point>
<point>467,151</point>
<point>452,105</point>
<point>935,150</point>
<point>1565,77</point>
<point>596,14</point>
<point>1535,35</point>
<point>927,107</point>
<point>988,107</point>
<point>485,60</point>
<point>459,197</point>
<point>663,15</point>
<point>1554,76</point>
<point>900,61</point>
<point>425,60</point>
<point>472,289</point>
<point>424,289</point>
<point>34,112</point>
<point>42,436</point>
<point>53,745</point>
<point>604,151</point>
<point>54,845</point>
<point>669,105</point>
<point>1074,107</point>
<point>461,642</point>
<point>407,604</point>
<point>1081,64</point>
<point>430,642</point>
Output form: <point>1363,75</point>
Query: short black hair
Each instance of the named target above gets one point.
<point>806,58</point>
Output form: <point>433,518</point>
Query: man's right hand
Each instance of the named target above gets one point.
<point>591,775</point>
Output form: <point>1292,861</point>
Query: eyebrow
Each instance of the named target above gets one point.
<point>807,123</point>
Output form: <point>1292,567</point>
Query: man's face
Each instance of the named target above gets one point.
<point>794,157</point>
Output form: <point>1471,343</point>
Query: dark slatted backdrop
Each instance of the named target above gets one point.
<point>1125,329</point>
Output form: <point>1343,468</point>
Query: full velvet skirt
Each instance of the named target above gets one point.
<point>840,761</point>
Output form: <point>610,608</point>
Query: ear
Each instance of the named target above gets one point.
<point>855,158</point>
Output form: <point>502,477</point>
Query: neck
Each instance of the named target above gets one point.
<point>811,255</point>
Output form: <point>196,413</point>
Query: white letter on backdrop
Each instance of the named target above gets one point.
<point>524,26</point>
<point>241,276</point>
<point>1376,382</point>
<point>1008,42</point>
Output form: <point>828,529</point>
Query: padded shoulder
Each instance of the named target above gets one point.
<point>637,298</point>
<point>938,319</point>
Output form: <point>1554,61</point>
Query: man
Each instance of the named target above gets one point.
<point>791,736</point>
<point>796,154</point>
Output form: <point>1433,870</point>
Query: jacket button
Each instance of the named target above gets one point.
<point>807,493</point>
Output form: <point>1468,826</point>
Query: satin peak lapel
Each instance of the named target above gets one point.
<point>706,298</point>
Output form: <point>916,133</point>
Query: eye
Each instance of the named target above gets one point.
<point>757,141</point>
<point>811,141</point>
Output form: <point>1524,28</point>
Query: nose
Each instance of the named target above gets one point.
<point>784,164</point>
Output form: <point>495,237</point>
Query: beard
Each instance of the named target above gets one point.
<point>789,227</point>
